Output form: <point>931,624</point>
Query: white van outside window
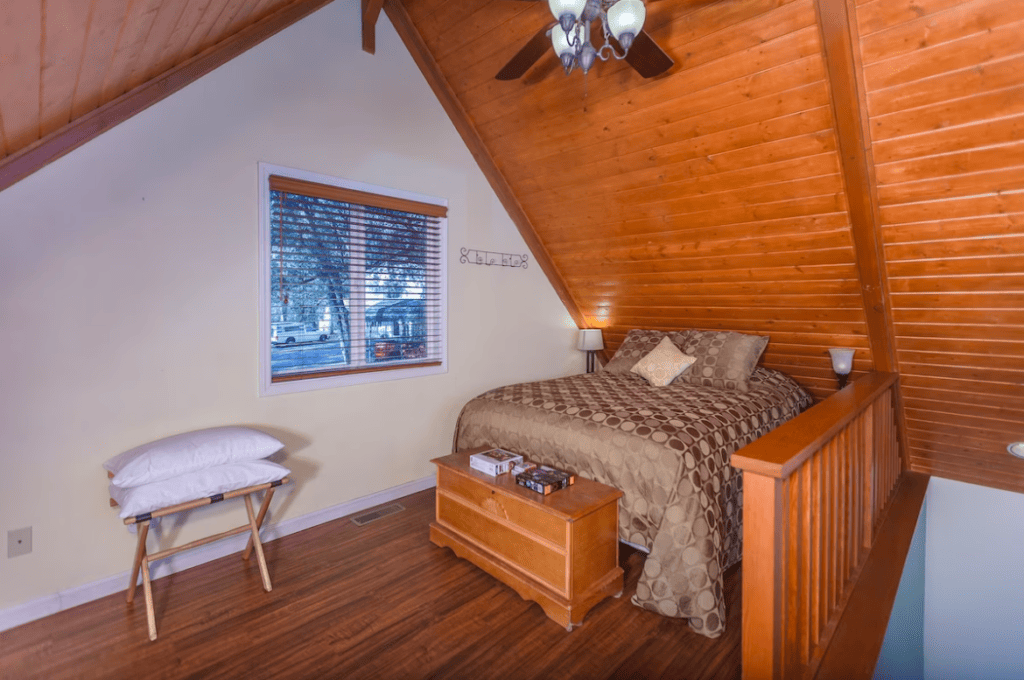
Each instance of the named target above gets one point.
<point>287,333</point>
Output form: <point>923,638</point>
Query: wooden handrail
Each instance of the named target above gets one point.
<point>781,451</point>
<point>814,492</point>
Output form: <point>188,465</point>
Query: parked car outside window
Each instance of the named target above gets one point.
<point>287,333</point>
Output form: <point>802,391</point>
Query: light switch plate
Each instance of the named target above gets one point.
<point>19,542</point>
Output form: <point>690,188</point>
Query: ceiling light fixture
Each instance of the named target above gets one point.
<point>622,21</point>
<point>1016,449</point>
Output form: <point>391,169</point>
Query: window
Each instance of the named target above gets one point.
<point>352,282</point>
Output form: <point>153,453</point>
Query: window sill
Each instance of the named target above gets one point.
<point>351,377</point>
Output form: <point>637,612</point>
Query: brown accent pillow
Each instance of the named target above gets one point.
<point>638,344</point>
<point>724,359</point>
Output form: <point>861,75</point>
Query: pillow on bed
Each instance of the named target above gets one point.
<point>723,359</point>
<point>195,485</point>
<point>638,344</point>
<point>663,364</point>
<point>188,452</point>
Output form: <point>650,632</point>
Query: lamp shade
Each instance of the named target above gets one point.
<point>842,359</point>
<point>560,41</point>
<point>626,16</point>
<point>560,8</point>
<point>590,339</point>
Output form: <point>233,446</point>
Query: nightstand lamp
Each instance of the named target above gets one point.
<point>590,340</point>
<point>842,363</point>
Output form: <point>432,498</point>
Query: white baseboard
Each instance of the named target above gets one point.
<point>72,597</point>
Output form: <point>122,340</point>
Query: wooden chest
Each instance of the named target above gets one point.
<point>559,550</point>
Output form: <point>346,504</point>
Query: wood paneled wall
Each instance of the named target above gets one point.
<point>945,95</point>
<point>709,197</point>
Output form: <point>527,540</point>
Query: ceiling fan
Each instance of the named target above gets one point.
<point>621,23</point>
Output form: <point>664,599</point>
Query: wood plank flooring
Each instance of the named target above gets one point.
<point>378,601</point>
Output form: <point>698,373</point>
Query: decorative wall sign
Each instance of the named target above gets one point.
<point>474,256</point>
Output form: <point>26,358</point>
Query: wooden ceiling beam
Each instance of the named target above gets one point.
<point>840,44</point>
<point>421,54</point>
<point>47,149</point>
<point>371,12</point>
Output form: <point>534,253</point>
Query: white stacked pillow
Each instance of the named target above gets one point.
<point>190,466</point>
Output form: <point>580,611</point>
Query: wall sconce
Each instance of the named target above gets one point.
<point>842,363</point>
<point>590,340</point>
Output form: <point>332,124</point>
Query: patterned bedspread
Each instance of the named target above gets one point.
<point>666,448</point>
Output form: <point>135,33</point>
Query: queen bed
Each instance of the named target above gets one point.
<point>667,447</point>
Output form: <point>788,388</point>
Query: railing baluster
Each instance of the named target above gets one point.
<point>858,492</point>
<point>830,517</point>
<point>812,502</point>
<point>844,517</point>
<point>814,583</point>
<point>897,461</point>
<point>792,596</point>
<point>853,492</point>
<point>868,458</point>
<point>892,449</point>
<point>805,564</point>
<point>852,497</point>
<point>879,459</point>
<point>893,457</point>
<point>837,522</point>
<point>886,455</point>
<point>844,493</point>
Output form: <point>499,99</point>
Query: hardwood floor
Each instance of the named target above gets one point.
<point>378,601</point>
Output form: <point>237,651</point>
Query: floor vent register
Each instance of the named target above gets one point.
<point>374,515</point>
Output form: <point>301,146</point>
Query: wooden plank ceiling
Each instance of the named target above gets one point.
<point>710,197</point>
<point>713,196</point>
<point>70,69</point>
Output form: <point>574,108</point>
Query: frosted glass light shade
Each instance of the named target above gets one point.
<point>626,16</point>
<point>560,8</point>
<point>590,339</point>
<point>842,359</point>
<point>560,41</point>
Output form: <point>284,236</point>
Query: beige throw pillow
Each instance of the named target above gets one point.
<point>663,364</point>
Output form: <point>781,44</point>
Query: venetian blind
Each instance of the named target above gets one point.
<point>355,281</point>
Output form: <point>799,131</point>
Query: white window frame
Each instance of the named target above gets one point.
<point>268,388</point>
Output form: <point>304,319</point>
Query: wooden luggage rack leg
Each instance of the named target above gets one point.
<point>143,560</point>
<point>254,540</point>
<point>140,552</point>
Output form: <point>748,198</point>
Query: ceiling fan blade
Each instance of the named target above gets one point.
<point>645,56</point>
<point>538,46</point>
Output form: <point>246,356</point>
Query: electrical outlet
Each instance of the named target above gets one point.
<point>19,542</point>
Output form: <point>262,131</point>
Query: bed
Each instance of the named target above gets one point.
<point>667,448</point>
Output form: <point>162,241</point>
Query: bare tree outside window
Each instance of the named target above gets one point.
<point>352,286</point>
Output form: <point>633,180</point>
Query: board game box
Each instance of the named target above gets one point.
<point>494,462</point>
<point>545,480</point>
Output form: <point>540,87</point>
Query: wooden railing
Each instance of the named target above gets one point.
<point>814,492</point>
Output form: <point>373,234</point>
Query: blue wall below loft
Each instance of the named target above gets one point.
<point>974,583</point>
<point>902,655</point>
